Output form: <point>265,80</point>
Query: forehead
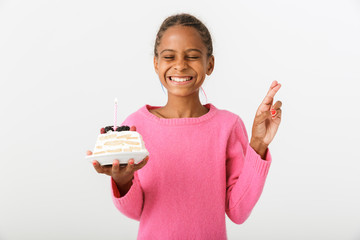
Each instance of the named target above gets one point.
<point>181,38</point>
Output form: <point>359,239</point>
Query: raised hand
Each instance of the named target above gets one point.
<point>267,120</point>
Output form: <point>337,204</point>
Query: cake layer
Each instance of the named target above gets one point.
<point>116,142</point>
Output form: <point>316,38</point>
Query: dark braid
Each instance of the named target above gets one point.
<point>185,19</point>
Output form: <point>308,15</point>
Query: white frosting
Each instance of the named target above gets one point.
<point>118,142</point>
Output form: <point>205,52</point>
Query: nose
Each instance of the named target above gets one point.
<point>180,64</point>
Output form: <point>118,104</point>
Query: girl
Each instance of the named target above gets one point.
<point>202,164</point>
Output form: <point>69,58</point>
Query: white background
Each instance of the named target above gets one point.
<point>62,63</point>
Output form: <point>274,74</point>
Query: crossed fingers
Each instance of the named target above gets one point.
<point>267,102</point>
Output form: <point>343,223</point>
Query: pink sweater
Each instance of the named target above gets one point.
<point>198,170</point>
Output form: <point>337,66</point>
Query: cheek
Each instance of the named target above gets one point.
<point>200,65</point>
<point>201,68</point>
<point>164,68</point>
<point>163,72</point>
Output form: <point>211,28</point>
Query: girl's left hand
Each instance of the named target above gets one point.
<point>267,119</point>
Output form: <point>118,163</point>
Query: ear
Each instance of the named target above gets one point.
<point>156,65</point>
<point>210,65</point>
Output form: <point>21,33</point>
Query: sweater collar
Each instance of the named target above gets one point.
<point>179,121</point>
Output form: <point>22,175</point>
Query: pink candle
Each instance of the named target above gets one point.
<point>115,113</point>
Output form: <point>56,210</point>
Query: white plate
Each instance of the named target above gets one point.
<point>107,159</point>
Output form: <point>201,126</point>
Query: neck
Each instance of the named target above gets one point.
<point>184,107</point>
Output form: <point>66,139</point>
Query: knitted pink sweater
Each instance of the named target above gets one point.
<point>198,170</point>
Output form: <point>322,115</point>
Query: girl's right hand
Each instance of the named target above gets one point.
<point>122,175</point>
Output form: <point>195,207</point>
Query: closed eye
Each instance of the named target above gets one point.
<point>186,57</point>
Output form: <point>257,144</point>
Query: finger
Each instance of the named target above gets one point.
<point>132,128</point>
<point>115,166</point>
<point>88,152</point>
<point>277,105</point>
<point>277,114</point>
<point>275,86</point>
<point>275,108</point>
<point>142,163</point>
<point>130,167</point>
<point>97,167</point>
<point>106,169</point>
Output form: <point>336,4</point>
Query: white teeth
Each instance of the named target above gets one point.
<point>176,79</point>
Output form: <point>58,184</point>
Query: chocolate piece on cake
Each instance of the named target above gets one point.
<point>118,129</point>
<point>123,128</point>
<point>108,128</point>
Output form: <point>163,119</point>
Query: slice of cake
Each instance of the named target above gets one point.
<point>120,141</point>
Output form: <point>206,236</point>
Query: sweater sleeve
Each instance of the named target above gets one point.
<point>245,174</point>
<point>131,203</point>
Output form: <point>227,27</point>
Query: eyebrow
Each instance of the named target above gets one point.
<point>189,50</point>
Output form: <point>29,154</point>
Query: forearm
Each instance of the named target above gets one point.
<point>259,147</point>
<point>123,187</point>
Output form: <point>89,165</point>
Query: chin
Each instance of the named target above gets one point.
<point>183,94</point>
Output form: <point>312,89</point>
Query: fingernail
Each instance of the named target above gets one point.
<point>94,163</point>
<point>273,112</point>
<point>131,162</point>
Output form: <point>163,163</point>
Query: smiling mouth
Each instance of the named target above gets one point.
<point>180,79</point>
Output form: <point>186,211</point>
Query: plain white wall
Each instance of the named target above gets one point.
<point>62,63</point>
